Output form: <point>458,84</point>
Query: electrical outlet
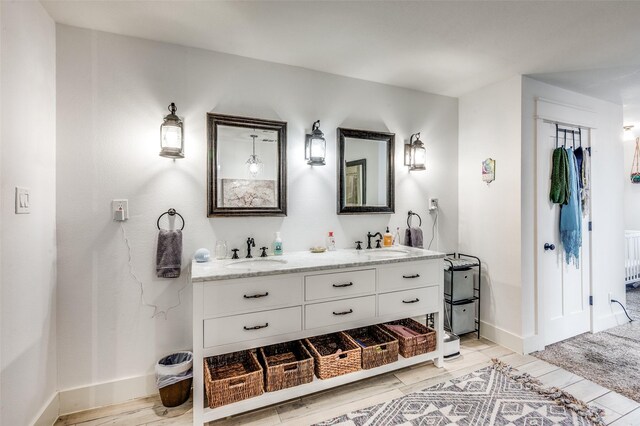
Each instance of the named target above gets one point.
<point>433,204</point>
<point>120,210</point>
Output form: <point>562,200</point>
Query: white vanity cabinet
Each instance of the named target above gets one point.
<point>308,295</point>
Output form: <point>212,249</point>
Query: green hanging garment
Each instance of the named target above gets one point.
<point>560,190</point>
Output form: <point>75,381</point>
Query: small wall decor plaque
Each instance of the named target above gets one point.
<point>488,170</point>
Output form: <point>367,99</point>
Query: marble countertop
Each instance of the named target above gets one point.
<point>305,261</point>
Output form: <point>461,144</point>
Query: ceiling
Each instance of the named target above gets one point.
<point>447,47</point>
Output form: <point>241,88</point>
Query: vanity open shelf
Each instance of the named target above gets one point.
<point>317,385</point>
<point>307,295</point>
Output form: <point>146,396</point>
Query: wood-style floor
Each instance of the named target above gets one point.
<point>476,354</point>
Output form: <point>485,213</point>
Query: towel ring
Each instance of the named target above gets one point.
<point>409,218</point>
<point>170,212</point>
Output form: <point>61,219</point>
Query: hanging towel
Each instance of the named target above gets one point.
<point>571,216</point>
<point>586,182</point>
<point>413,237</point>
<point>169,254</point>
<point>579,153</point>
<point>560,190</point>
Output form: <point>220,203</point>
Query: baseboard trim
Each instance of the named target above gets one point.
<point>606,322</point>
<point>502,337</point>
<point>532,343</point>
<point>48,414</point>
<point>108,393</point>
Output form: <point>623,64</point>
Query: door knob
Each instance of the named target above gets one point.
<point>548,246</point>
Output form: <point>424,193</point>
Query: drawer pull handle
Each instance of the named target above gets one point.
<point>411,276</point>
<point>411,301</point>
<point>256,296</point>
<point>349,284</point>
<point>257,327</point>
<point>350,311</point>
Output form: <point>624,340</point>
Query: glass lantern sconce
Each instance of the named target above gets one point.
<point>172,135</point>
<point>315,146</point>
<point>415,154</point>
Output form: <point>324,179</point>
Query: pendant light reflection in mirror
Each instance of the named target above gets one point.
<point>254,164</point>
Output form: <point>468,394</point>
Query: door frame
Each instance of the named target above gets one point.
<point>551,111</point>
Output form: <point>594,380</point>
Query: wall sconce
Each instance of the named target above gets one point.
<point>315,146</point>
<point>172,135</point>
<point>415,154</point>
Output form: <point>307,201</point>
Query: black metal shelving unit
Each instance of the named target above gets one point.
<point>461,262</point>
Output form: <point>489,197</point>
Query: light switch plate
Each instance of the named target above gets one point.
<point>23,201</point>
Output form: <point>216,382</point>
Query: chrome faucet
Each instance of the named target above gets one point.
<point>369,236</point>
<point>250,243</point>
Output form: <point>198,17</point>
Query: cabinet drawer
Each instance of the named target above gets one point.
<point>410,275</point>
<point>240,328</point>
<point>250,295</point>
<point>339,311</point>
<point>339,284</point>
<point>425,300</point>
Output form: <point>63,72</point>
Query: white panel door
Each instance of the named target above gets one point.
<point>563,289</point>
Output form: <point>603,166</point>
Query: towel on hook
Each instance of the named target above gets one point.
<point>413,237</point>
<point>560,190</point>
<point>169,254</point>
<point>571,216</point>
<point>586,182</point>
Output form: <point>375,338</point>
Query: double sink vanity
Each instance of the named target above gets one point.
<point>243,304</point>
<point>249,303</point>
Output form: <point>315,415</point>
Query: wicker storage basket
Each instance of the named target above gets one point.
<point>416,345</point>
<point>286,365</point>
<point>232,377</point>
<point>378,346</point>
<point>328,363</point>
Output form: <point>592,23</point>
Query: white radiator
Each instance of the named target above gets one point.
<point>632,257</point>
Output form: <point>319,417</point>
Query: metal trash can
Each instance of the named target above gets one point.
<point>174,376</point>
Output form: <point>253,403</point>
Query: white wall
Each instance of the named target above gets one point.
<point>112,95</point>
<point>28,245</point>
<point>631,190</point>
<point>489,126</point>
<point>607,206</point>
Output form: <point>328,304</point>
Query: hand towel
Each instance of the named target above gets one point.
<point>169,254</point>
<point>413,237</point>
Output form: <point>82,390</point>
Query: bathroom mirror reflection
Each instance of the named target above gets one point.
<point>366,183</point>
<point>246,166</point>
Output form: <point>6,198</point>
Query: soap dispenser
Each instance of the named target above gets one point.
<point>277,245</point>
<point>387,239</point>
<point>331,242</point>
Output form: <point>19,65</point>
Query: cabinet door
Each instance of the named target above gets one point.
<point>405,275</point>
<point>339,311</point>
<point>339,284</point>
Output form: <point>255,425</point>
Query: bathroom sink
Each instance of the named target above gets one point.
<point>257,264</point>
<point>387,252</point>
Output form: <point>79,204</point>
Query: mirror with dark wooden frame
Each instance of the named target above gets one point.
<point>365,172</point>
<point>246,166</point>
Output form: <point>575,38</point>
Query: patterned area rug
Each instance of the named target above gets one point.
<point>495,395</point>
<point>610,358</point>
